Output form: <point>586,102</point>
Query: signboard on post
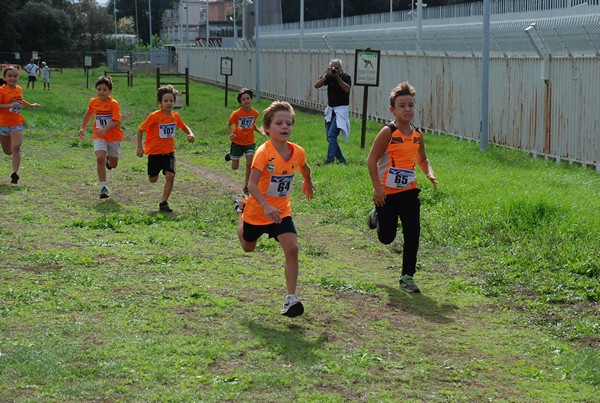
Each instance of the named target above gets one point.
<point>87,64</point>
<point>226,70</point>
<point>366,73</point>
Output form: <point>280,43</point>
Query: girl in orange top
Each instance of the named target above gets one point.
<point>268,209</point>
<point>391,164</point>
<point>11,121</point>
<point>107,135</point>
<point>161,126</point>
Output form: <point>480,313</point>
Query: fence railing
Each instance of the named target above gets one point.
<point>448,94</point>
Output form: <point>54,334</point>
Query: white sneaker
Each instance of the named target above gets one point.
<point>292,306</point>
<point>239,202</point>
<point>103,192</point>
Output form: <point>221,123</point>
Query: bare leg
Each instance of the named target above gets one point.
<point>101,165</point>
<point>16,139</point>
<point>170,180</point>
<point>249,159</point>
<point>289,244</point>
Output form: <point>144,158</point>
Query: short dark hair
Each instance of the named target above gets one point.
<point>242,92</point>
<point>104,80</point>
<point>165,89</point>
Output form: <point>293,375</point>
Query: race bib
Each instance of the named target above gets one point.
<point>400,178</point>
<point>246,123</point>
<point>17,109</point>
<point>280,185</point>
<point>166,131</point>
<point>103,120</point>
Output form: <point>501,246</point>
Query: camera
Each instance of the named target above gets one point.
<point>334,70</point>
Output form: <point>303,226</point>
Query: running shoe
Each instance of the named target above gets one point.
<point>164,207</point>
<point>14,178</point>
<point>239,202</point>
<point>292,306</point>
<point>104,192</point>
<point>407,283</point>
<point>372,219</point>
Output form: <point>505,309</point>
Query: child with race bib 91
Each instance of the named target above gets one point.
<point>391,164</point>
<point>268,210</point>
<point>161,126</point>
<point>107,135</point>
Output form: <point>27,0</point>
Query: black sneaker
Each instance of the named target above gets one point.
<point>108,165</point>
<point>227,157</point>
<point>407,283</point>
<point>104,193</point>
<point>239,203</point>
<point>164,207</point>
<point>372,219</point>
<point>14,178</point>
<point>292,307</point>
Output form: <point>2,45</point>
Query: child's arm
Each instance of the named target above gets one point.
<point>270,211</point>
<point>231,135</point>
<point>190,134</point>
<point>377,150</point>
<point>258,129</point>
<point>140,147</point>
<point>27,104</point>
<point>425,165</point>
<point>307,187</point>
<point>86,119</point>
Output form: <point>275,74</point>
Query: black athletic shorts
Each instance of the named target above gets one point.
<point>253,232</point>
<point>161,162</point>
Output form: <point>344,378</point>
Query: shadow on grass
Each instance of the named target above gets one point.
<point>420,304</point>
<point>108,206</point>
<point>6,189</point>
<point>290,343</point>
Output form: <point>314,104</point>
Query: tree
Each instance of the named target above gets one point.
<point>127,8</point>
<point>43,27</point>
<point>10,38</point>
<point>94,23</point>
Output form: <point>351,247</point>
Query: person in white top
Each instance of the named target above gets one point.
<point>46,75</point>
<point>32,70</point>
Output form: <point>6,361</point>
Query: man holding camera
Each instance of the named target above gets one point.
<point>337,112</point>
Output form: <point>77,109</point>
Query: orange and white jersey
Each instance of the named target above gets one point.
<point>11,116</point>
<point>245,123</point>
<point>275,182</point>
<point>160,130</point>
<point>396,167</point>
<point>104,114</point>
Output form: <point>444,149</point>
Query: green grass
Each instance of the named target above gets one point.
<point>113,301</point>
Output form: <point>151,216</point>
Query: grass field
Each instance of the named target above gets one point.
<point>108,300</point>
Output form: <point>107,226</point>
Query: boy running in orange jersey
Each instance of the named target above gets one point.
<point>107,135</point>
<point>268,210</point>
<point>242,137</point>
<point>11,121</point>
<point>391,164</point>
<point>161,126</point>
